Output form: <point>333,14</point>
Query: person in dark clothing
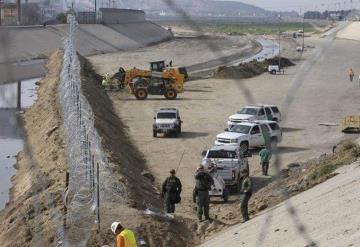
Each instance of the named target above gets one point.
<point>245,194</point>
<point>171,190</point>
<point>201,192</point>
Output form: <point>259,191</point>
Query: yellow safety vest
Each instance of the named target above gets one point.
<point>129,237</point>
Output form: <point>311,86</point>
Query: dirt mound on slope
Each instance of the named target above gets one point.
<point>34,211</point>
<point>250,69</point>
<point>128,163</point>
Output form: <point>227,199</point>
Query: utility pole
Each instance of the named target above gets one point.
<point>303,34</point>
<point>1,4</point>
<point>279,42</point>
<point>19,11</point>
<point>95,12</point>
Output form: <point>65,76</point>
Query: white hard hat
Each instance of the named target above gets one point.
<point>114,226</point>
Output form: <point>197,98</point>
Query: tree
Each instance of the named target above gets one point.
<point>61,17</point>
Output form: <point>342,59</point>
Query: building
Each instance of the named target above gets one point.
<point>9,13</point>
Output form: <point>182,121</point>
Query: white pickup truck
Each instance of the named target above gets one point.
<point>229,162</point>
<point>251,134</point>
<point>255,112</point>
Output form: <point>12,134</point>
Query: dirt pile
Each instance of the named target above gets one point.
<point>34,211</point>
<point>250,69</point>
<point>128,165</point>
<point>299,177</point>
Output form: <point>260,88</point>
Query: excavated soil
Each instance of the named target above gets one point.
<point>251,69</point>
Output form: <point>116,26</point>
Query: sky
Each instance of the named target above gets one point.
<point>285,5</point>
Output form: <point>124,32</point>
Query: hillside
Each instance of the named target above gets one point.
<point>198,8</point>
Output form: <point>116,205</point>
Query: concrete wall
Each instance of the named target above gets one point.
<point>120,16</point>
<point>34,42</point>
<point>146,33</point>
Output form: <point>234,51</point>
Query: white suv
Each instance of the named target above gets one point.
<point>249,135</point>
<point>255,112</point>
<point>167,121</point>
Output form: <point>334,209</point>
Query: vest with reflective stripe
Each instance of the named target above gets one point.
<point>129,238</point>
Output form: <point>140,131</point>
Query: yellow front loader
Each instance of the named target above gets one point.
<point>161,79</point>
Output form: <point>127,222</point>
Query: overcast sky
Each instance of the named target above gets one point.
<point>297,4</point>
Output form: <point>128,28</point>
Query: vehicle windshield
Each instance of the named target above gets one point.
<point>248,111</point>
<point>162,115</point>
<point>221,154</point>
<point>243,129</point>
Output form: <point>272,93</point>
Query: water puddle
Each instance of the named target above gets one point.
<point>11,133</point>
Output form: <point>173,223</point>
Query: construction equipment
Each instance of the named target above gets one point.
<point>351,124</point>
<point>161,79</point>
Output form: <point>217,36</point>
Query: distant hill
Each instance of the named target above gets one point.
<point>210,8</point>
<point>197,7</point>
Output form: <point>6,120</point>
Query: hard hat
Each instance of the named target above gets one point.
<point>114,226</point>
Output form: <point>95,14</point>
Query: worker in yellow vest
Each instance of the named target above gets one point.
<point>124,237</point>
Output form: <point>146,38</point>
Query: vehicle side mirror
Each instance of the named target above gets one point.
<point>203,153</point>
<point>227,129</point>
<point>154,118</point>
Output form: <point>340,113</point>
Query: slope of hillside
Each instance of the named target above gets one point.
<point>326,215</point>
<point>198,7</point>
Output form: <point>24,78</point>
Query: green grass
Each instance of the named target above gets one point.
<point>255,28</point>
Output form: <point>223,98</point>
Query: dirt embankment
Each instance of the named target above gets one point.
<point>302,176</point>
<point>34,211</point>
<point>128,164</point>
<point>250,69</point>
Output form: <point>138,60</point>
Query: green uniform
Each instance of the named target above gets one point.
<point>171,189</point>
<point>265,156</point>
<point>245,194</point>
<point>201,193</point>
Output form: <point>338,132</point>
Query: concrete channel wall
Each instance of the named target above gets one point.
<point>125,30</point>
<point>120,16</point>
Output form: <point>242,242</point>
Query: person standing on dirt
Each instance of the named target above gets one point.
<point>201,192</point>
<point>171,190</point>
<point>351,74</point>
<point>265,156</point>
<point>124,237</point>
<point>245,194</point>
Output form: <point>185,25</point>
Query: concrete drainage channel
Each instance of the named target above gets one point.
<point>11,132</point>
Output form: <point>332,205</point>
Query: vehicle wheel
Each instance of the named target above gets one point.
<point>273,72</point>
<point>141,94</point>
<point>225,195</point>
<point>176,133</point>
<point>154,133</point>
<point>244,147</point>
<point>170,94</point>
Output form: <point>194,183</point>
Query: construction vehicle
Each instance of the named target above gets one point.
<point>161,79</point>
<point>351,124</point>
